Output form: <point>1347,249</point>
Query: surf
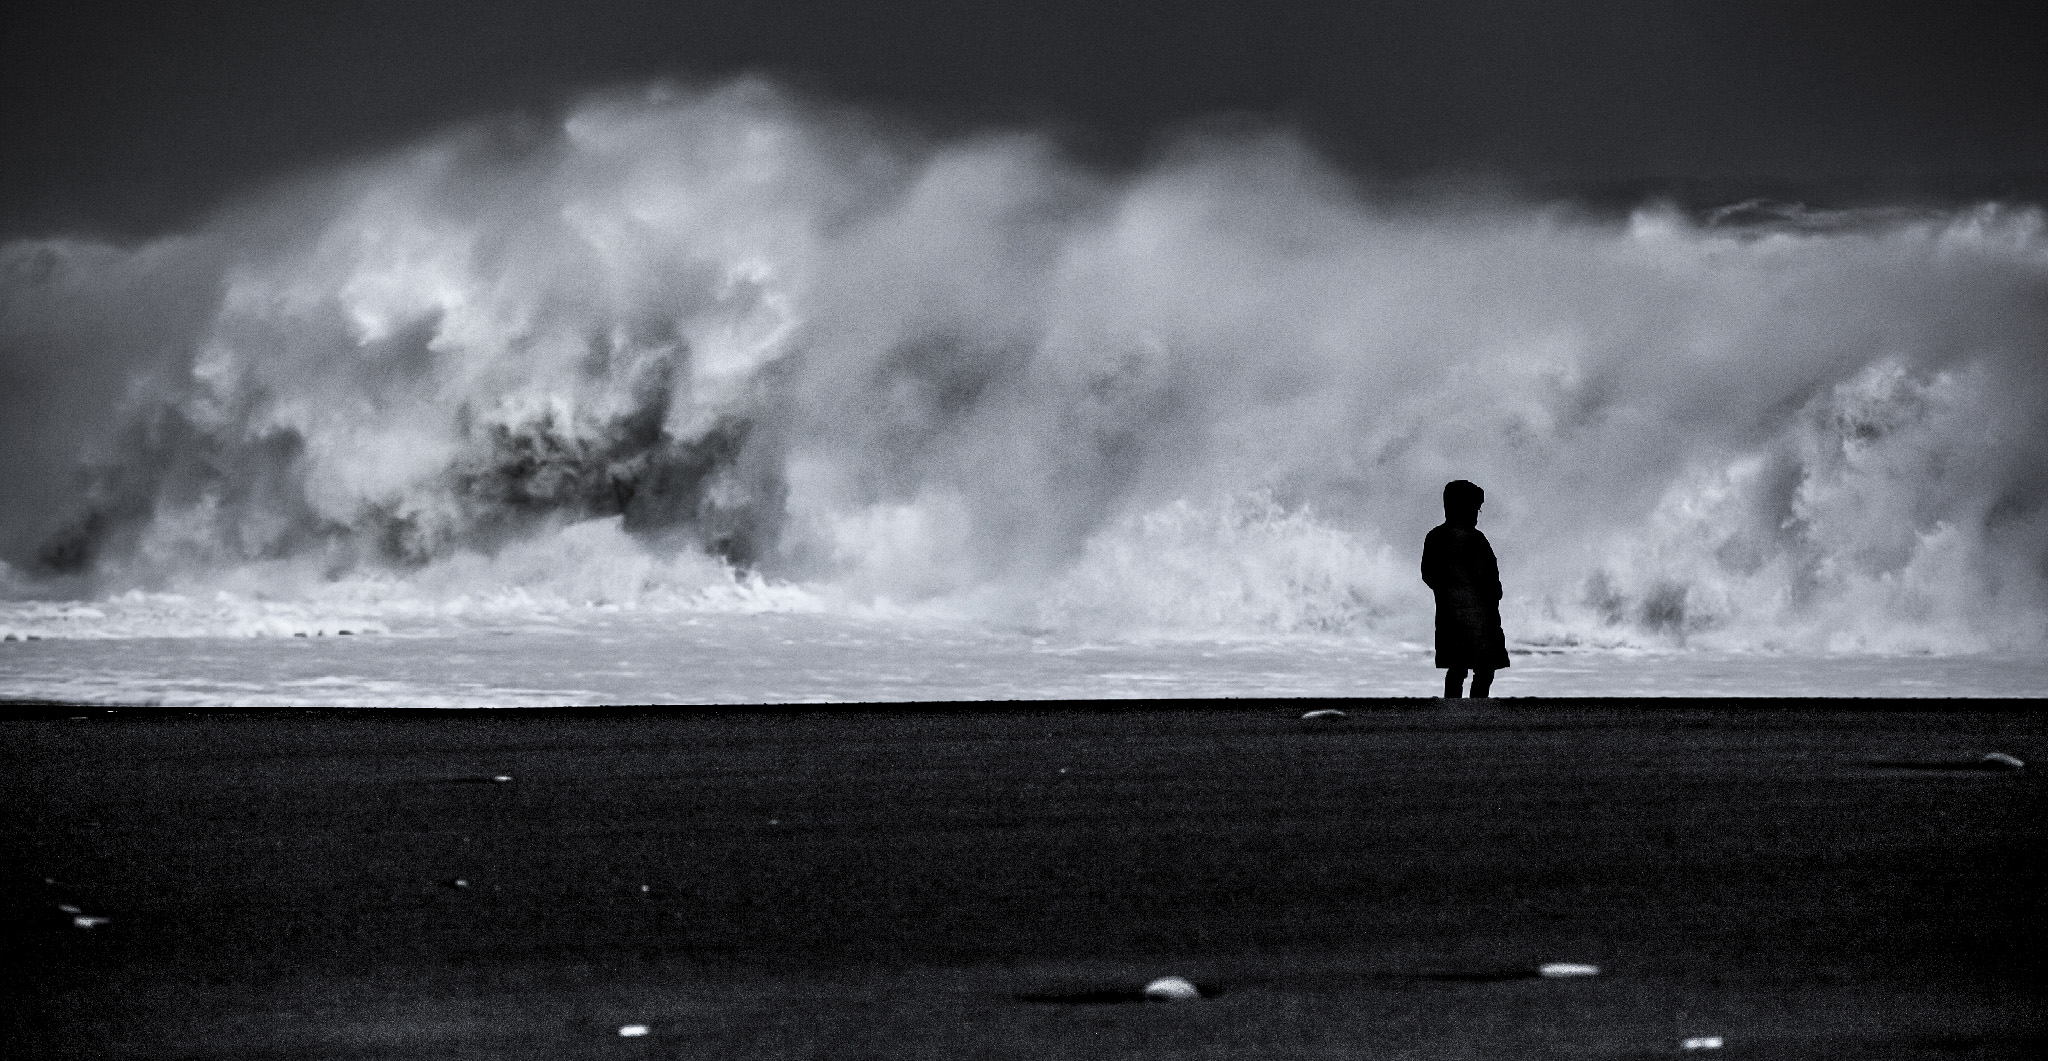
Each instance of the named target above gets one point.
<point>733,348</point>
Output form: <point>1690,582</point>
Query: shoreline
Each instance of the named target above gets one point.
<point>49,709</point>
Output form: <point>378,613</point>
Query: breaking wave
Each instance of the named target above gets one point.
<point>727,349</point>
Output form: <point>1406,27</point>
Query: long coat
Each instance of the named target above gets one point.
<point>1458,564</point>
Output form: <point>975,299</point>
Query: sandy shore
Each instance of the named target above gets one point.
<point>1799,879</point>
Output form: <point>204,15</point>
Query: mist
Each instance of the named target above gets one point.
<point>685,344</point>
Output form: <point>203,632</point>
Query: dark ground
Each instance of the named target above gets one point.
<point>888,884</point>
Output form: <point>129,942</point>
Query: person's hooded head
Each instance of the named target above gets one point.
<point>1461,503</point>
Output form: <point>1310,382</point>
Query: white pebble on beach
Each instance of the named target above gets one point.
<point>1172,989</point>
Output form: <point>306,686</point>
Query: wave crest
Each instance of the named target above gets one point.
<point>761,349</point>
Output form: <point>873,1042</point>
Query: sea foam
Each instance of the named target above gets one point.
<point>726,349</point>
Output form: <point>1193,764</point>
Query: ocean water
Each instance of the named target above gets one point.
<point>624,657</point>
<point>727,394</point>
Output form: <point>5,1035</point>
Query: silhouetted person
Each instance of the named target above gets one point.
<point>1458,565</point>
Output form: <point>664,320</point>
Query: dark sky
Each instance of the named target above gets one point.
<point>132,117</point>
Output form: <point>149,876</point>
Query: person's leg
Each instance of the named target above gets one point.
<point>1454,682</point>
<point>1482,682</point>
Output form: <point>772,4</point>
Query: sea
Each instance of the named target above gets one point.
<point>722,395</point>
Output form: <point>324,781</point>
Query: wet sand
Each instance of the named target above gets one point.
<point>1803,879</point>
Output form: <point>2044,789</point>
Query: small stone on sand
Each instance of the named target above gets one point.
<point>1323,714</point>
<point>633,1031</point>
<point>2002,761</point>
<point>1172,989</point>
<point>501,778</point>
<point>1561,970</point>
<point>88,922</point>
<point>69,909</point>
<point>1701,1042</point>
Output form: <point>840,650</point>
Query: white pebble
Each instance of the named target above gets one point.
<point>88,922</point>
<point>1172,989</point>
<point>1702,1042</point>
<point>502,778</point>
<point>2002,761</point>
<point>1323,714</point>
<point>69,909</point>
<point>632,1031</point>
<point>1560,970</point>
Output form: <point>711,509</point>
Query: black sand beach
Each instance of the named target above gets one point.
<point>1800,879</point>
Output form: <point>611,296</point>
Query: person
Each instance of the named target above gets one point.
<point>1459,567</point>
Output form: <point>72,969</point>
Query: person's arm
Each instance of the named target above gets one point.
<point>1432,560</point>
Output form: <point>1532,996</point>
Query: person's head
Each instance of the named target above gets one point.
<point>1461,502</point>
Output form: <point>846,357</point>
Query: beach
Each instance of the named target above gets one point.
<point>1794,878</point>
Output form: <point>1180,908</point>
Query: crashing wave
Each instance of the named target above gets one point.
<point>724,349</point>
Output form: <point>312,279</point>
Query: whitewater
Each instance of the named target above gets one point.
<point>726,395</point>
